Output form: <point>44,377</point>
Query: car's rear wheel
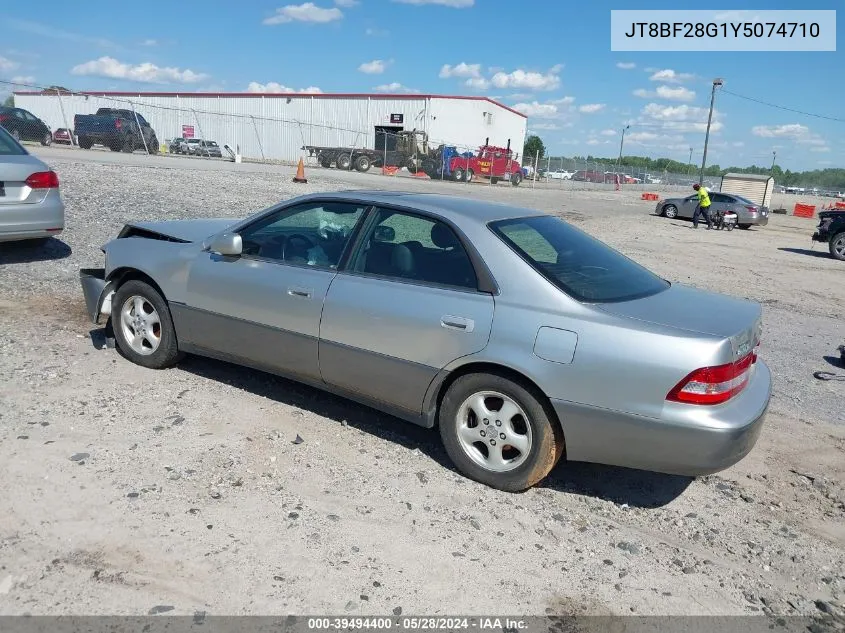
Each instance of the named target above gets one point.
<point>47,140</point>
<point>458,174</point>
<point>363,163</point>
<point>85,142</point>
<point>837,246</point>
<point>670,211</point>
<point>143,328</point>
<point>499,432</point>
<point>469,175</point>
<point>516,178</point>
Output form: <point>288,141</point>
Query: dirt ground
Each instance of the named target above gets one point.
<point>128,490</point>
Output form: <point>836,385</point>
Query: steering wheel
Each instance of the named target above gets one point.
<point>309,243</point>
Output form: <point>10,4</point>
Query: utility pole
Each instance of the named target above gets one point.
<point>716,82</point>
<point>621,143</point>
<point>774,156</point>
<point>689,162</point>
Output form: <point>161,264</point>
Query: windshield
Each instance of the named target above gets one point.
<point>211,143</point>
<point>583,267</point>
<point>193,140</point>
<point>8,145</point>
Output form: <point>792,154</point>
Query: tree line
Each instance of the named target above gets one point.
<point>829,179</point>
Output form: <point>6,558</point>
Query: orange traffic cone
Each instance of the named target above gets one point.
<point>300,172</point>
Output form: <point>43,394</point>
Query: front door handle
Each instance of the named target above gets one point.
<point>457,323</point>
<point>303,293</point>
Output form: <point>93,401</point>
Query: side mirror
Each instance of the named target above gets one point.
<point>228,244</point>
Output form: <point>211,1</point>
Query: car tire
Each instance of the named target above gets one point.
<point>469,175</point>
<point>325,160</point>
<point>458,174</point>
<point>669,211</point>
<point>143,327</point>
<point>85,142</point>
<point>837,246</point>
<point>744,227</point>
<point>516,178</point>
<point>344,162</point>
<point>128,144</point>
<point>153,148</point>
<point>466,433</point>
<point>363,163</point>
<point>47,140</point>
<point>494,181</point>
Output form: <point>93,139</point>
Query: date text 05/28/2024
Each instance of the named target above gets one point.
<point>739,30</point>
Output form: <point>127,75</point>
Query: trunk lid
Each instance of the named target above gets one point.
<point>14,170</point>
<point>700,311</point>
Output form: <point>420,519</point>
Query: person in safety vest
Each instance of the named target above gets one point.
<point>703,207</point>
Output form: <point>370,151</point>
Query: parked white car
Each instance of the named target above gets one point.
<point>560,174</point>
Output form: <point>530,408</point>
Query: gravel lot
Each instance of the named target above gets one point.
<point>128,489</point>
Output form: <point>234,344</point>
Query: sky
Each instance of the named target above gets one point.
<point>550,60</point>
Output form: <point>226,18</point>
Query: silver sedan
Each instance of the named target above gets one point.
<point>522,338</point>
<point>748,213</point>
<point>31,205</point>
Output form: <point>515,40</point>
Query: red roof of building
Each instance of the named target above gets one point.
<point>290,95</point>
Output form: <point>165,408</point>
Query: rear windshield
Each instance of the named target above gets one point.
<point>742,200</point>
<point>583,267</point>
<point>8,145</point>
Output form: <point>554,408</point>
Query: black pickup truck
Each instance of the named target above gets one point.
<point>831,229</point>
<point>119,130</point>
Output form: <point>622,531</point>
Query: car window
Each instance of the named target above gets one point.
<point>29,116</point>
<point>582,266</point>
<point>718,197</point>
<point>19,115</point>
<point>313,234</point>
<point>744,200</point>
<point>412,247</point>
<point>8,145</point>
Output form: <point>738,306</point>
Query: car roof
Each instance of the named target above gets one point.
<point>436,204</point>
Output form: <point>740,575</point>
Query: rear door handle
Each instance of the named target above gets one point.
<point>457,323</point>
<point>303,293</point>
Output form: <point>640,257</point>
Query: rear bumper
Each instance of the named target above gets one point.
<point>32,221</point>
<point>758,220</point>
<point>687,440</point>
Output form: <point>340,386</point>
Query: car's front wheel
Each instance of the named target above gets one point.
<point>670,211</point>
<point>499,432</point>
<point>143,328</point>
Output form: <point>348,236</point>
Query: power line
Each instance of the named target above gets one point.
<point>780,107</point>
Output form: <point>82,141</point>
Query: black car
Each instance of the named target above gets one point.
<point>831,229</point>
<point>25,126</point>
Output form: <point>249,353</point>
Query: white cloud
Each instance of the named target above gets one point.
<point>678,93</point>
<point>545,126</point>
<point>375,67</point>
<point>521,79</point>
<point>591,108</point>
<point>679,118</point>
<point>395,87</point>
<point>820,149</point>
<point>460,70</point>
<point>790,130</point>
<point>307,12</point>
<point>347,3</point>
<point>670,76</point>
<point>7,64</point>
<point>455,4</point>
<point>608,132</point>
<point>478,83</point>
<point>626,65</point>
<point>538,110</point>
<point>372,32</point>
<point>144,73</point>
<point>23,79</point>
<point>149,43</point>
<point>277,88</point>
<point>562,101</point>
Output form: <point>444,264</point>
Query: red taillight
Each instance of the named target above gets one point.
<point>750,208</point>
<point>714,385</point>
<point>118,124</point>
<point>3,117</point>
<point>43,180</point>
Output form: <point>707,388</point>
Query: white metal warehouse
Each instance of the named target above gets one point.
<point>276,126</point>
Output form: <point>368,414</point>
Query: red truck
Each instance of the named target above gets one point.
<point>495,163</point>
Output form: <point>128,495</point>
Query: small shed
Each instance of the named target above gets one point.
<point>757,188</point>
